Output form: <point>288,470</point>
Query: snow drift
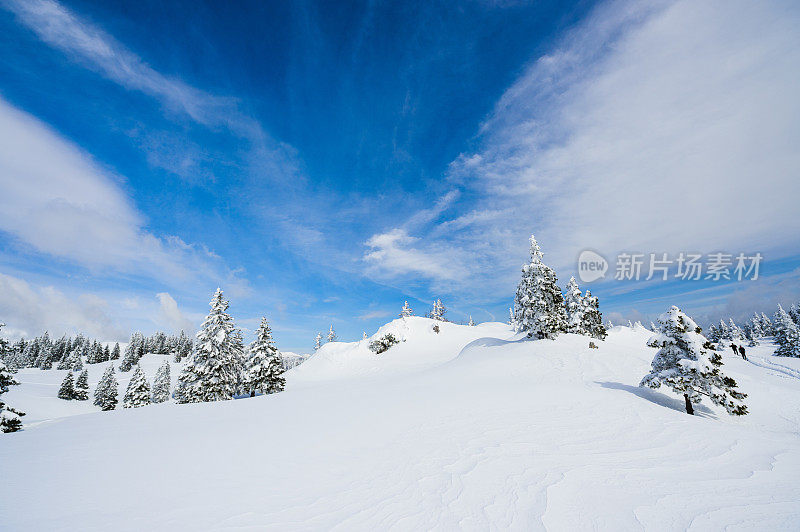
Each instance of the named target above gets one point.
<point>470,428</point>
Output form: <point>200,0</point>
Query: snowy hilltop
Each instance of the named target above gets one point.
<point>453,427</point>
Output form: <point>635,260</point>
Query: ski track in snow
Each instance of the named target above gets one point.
<point>468,429</point>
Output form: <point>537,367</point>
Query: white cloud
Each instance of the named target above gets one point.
<point>30,310</point>
<point>172,315</point>
<point>60,28</point>
<point>59,201</point>
<point>374,314</point>
<point>393,253</point>
<point>654,127</point>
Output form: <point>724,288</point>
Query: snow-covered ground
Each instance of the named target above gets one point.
<point>471,428</point>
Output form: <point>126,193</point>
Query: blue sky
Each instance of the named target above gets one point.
<point>323,162</point>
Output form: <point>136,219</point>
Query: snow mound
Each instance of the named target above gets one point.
<point>473,428</point>
<point>420,347</point>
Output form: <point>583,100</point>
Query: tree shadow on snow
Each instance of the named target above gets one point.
<point>648,394</point>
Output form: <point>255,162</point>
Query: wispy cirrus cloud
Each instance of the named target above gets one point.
<point>58,201</point>
<point>663,126</point>
<point>96,49</point>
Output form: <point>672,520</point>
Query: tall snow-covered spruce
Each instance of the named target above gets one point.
<point>786,334</point>
<point>264,367</point>
<point>9,418</point>
<point>574,306</point>
<point>592,319</point>
<point>687,363</point>
<point>105,395</point>
<point>161,383</point>
<point>539,304</point>
<point>67,389</point>
<point>438,311</point>
<point>212,373</point>
<point>406,311</point>
<point>82,386</point>
<point>138,392</point>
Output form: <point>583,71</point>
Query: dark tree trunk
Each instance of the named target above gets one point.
<point>689,409</point>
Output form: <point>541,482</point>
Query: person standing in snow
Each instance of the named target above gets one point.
<point>733,346</point>
<point>741,352</point>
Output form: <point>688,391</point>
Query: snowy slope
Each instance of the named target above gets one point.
<point>469,429</point>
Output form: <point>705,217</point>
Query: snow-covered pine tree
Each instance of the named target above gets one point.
<point>9,417</point>
<point>318,342</point>
<point>115,352</point>
<point>161,383</point>
<point>766,325</point>
<point>406,311</point>
<point>364,335</point>
<point>438,311</point>
<point>511,315</point>
<point>67,390</point>
<point>539,304</point>
<point>755,327</point>
<point>138,392</point>
<point>331,335</point>
<point>653,327</point>
<point>686,363</point>
<point>736,331</point>
<point>82,386</point>
<point>786,335</point>
<point>471,323</point>
<point>264,367</point>
<point>212,372</point>
<point>575,307</point>
<point>76,361</point>
<point>592,324</point>
<point>130,358</point>
<point>794,313</point>
<point>105,395</point>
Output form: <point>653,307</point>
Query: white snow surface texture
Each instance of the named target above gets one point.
<point>472,428</point>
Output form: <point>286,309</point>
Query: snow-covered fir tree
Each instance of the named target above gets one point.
<point>686,363</point>
<point>575,307</point>
<point>130,359</point>
<point>162,383</point>
<point>82,386</point>
<point>318,342</point>
<point>212,373</point>
<point>115,353</point>
<point>511,315</point>
<point>105,394</point>
<point>406,311</point>
<point>264,367</point>
<point>786,335</point>
<point>364,335</point>
<point>438,311</point>
<point>67,389</point>
<point>471,323</point>
<point>735,330</point>
<point>75,361</point>
<point>766,325</point>
<point>138,392</point>
<point>539,304</point>
<point>592,319</point>
<point>755,327</point>
<point>794,313</point>
<point>9,417</point>
<point>331,335</point>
